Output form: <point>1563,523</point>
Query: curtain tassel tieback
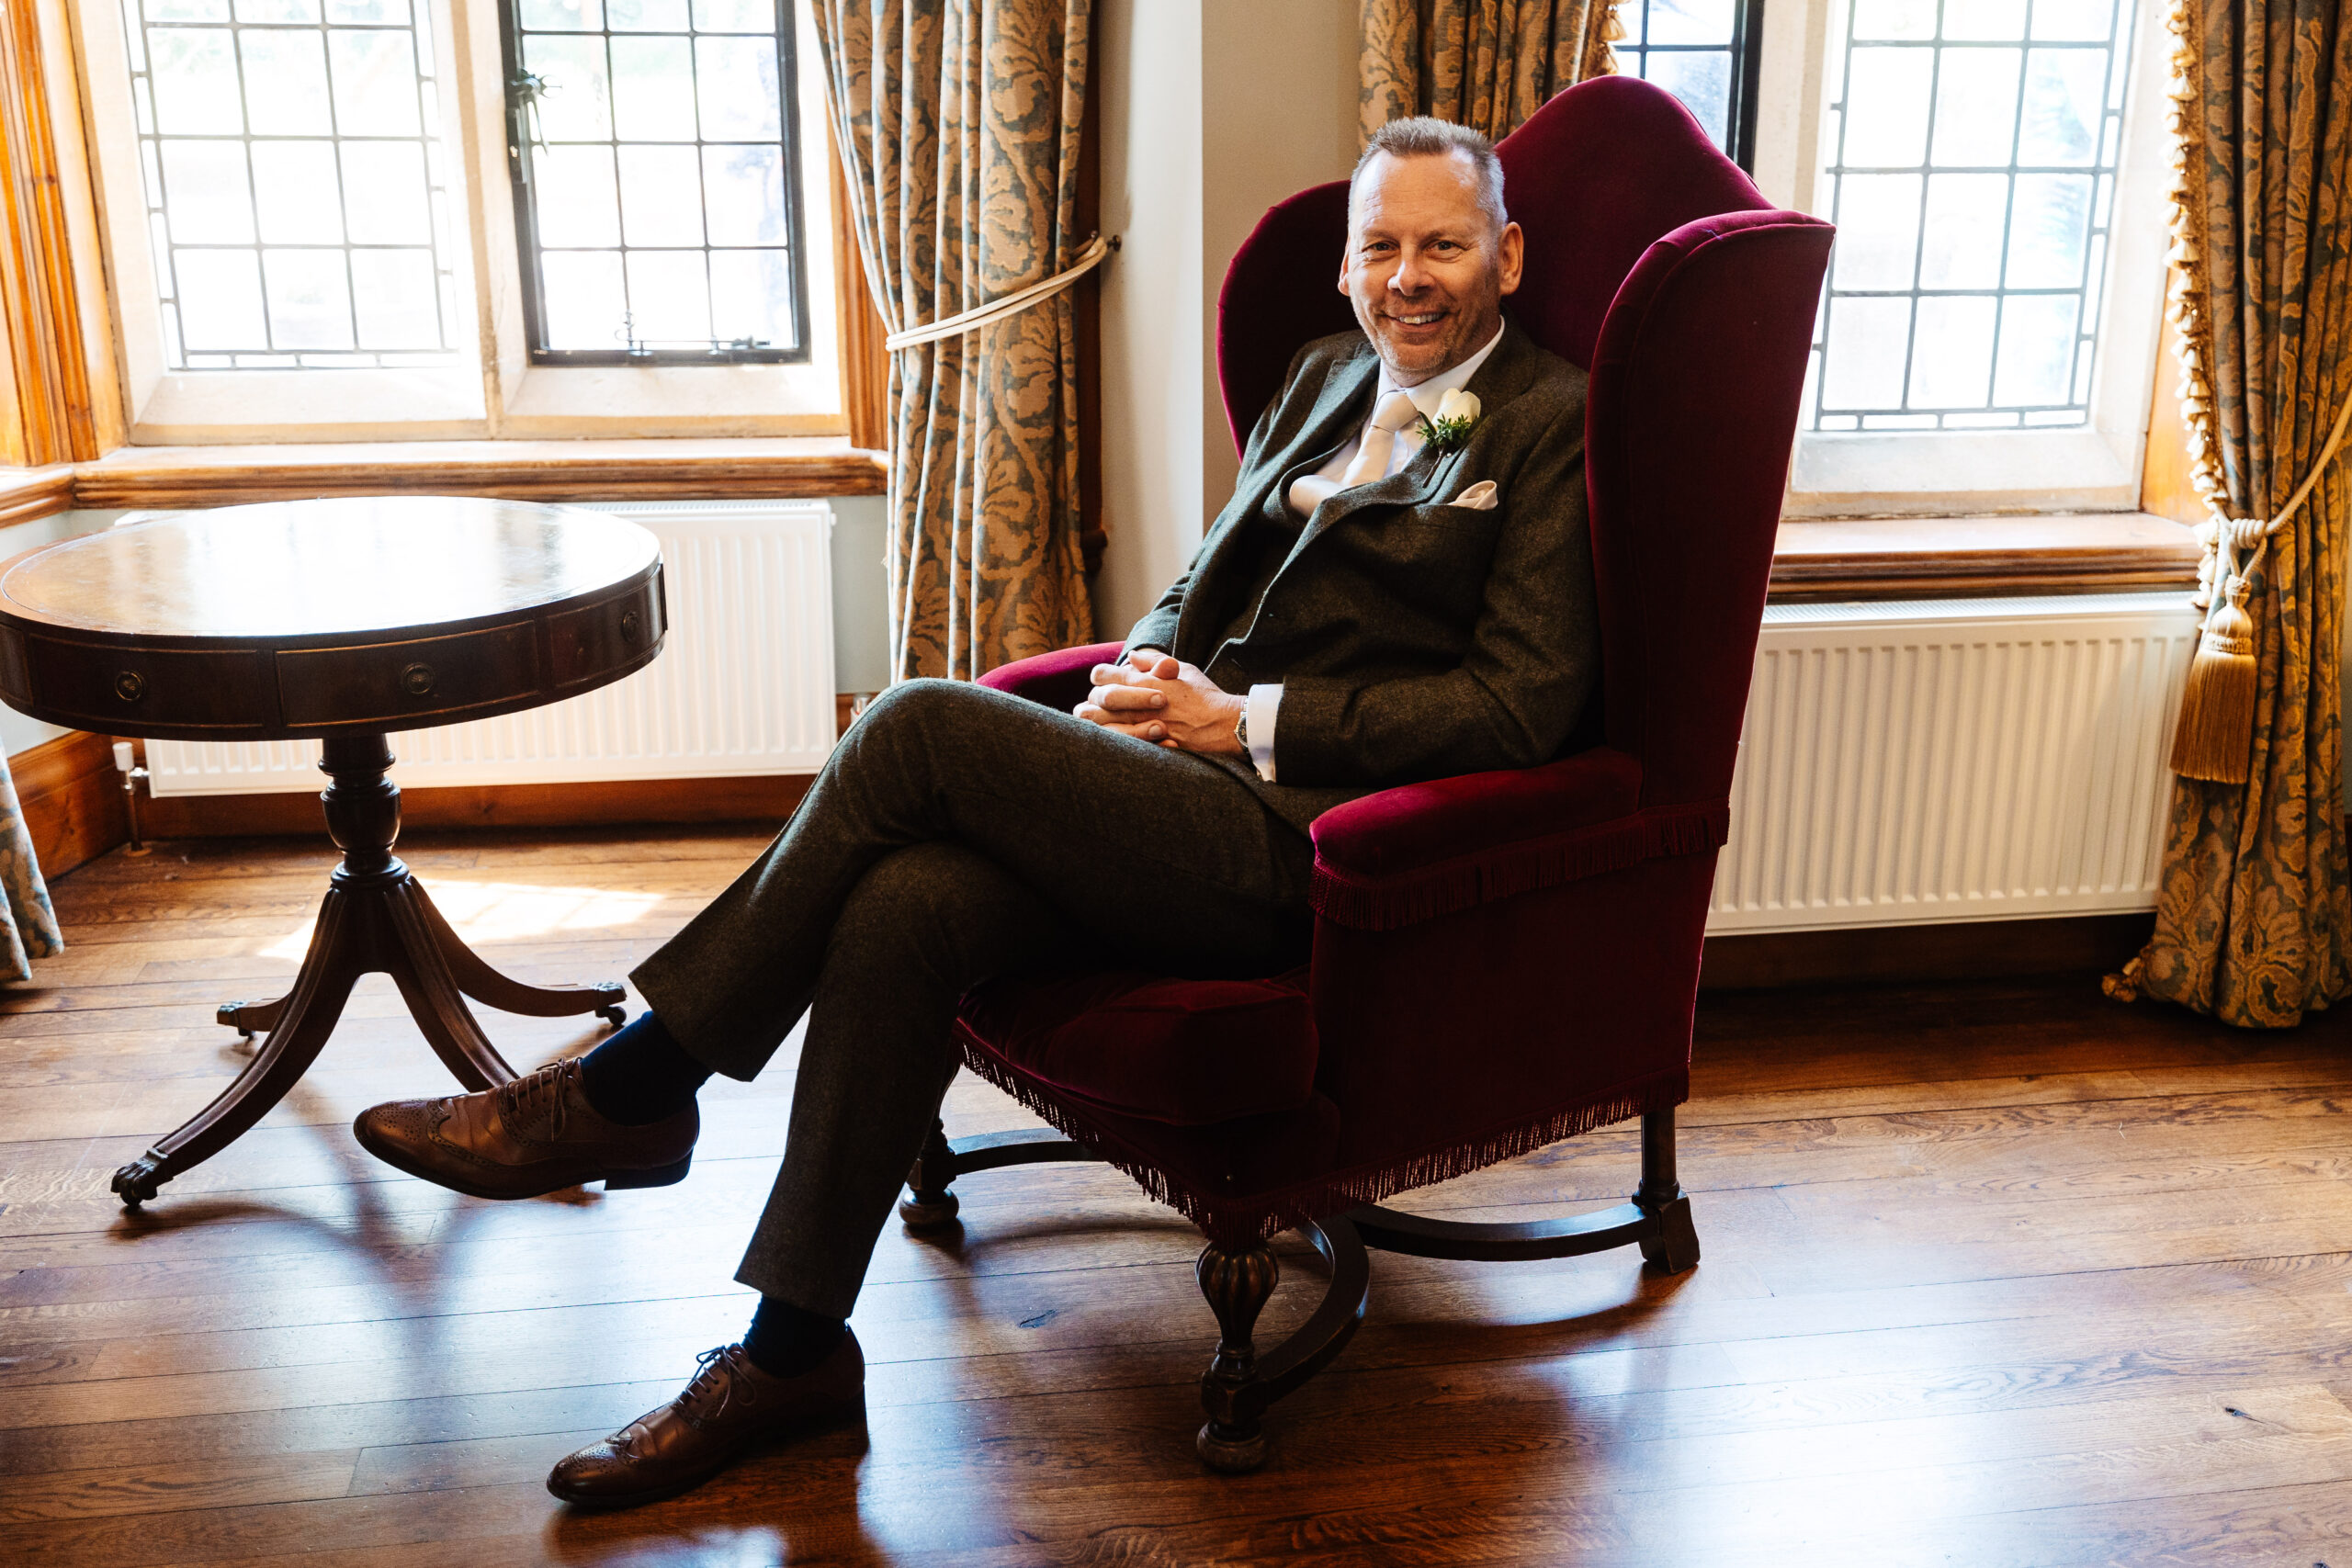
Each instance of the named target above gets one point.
<point>2214,739</point>
<point>1097,249</point>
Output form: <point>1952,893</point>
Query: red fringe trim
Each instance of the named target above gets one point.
<point>1244,1221</point>
<point>1519,867</point>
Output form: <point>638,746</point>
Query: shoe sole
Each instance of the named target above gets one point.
<point>814,1426</point>
<point>397,1157</point>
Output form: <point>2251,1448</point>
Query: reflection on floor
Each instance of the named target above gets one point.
<point>1995,1275</point>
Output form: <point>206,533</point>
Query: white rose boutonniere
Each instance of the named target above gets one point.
<point>1457,416</point>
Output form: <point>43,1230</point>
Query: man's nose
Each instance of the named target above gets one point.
<point>1409,276</point>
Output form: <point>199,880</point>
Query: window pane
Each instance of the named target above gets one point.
<point>584,300</point>
<point>309,298</point>
<point>1962,247</point>
<point>661,218</point>
<point>1702,79</point>
<point>211,204</point>
<point>282,133</point>
<point>1691,47</point>
<point>2012,111</point>
<point>1951,352</point>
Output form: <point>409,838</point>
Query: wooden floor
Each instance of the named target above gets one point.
<point>1995,1275</point>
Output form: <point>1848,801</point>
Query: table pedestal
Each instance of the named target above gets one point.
<point>375,916</point>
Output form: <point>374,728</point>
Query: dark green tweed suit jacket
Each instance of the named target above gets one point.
<point>1413,638</point>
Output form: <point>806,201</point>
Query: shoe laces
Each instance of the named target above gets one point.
<point>535,1097</point>
<point>715,1377</point>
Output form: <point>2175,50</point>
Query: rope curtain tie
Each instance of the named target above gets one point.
<point>2214,739</point>
<point>1098,248</point>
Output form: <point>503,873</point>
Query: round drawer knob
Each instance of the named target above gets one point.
<point>129,685</point>
<point>417,680</point>
<point>631,622</point>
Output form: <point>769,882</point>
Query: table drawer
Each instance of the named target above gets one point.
<point>588,644</point>
<point>403,685</point>
<point>112,690</point>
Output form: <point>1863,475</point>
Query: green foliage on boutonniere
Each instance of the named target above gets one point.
<point>1457,416</point>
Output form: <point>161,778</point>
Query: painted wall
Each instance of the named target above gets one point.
<point>1212,111</point>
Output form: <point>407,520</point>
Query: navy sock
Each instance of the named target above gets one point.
<point>640,1074</point>
<point>785,1340</point>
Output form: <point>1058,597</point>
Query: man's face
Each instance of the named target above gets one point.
<point>1425,269</point>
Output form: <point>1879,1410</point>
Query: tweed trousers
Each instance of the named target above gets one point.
<point>956,833</point>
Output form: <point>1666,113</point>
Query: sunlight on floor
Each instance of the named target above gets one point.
<point>485,912</point>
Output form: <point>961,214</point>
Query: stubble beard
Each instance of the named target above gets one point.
<point>1472,321</point>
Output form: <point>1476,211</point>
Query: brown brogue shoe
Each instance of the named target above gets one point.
<point>730,1407</point>
<point>534,1135</point>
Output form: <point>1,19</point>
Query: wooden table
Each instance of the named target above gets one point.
<point>339,621</point>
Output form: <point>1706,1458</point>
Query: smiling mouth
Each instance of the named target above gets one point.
<point>1427,318</point>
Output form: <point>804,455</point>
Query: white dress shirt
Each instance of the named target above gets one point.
<point>1310,491</point>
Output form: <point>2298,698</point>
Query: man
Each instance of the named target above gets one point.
<point>1400,589</point>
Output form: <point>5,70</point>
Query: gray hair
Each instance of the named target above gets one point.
<point>1425,136</point>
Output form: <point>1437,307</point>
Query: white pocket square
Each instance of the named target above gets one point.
<point>1479,497</point>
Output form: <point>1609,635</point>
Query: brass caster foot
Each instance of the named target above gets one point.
<point>140,1180</point>
<point>920,1213</point>
<point>1230,1455</point>
<point>613,1016</point>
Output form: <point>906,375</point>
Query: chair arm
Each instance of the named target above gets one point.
<point>1421,851</point>
<point>1058,680</point>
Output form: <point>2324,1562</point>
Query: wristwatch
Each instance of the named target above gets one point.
<point>1241,728</point>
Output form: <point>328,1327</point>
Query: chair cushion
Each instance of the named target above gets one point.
<point>1188,1052</point>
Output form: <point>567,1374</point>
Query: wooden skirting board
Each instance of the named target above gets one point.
<point>1960,950</point>
<point>72,799</point>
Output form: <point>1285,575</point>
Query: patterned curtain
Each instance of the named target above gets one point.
<point>958,126</point>
<point>27,925</point>
<point>1484,64</point>
<point>2253,915</point>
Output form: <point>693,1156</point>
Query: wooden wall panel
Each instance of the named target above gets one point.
<point>72,799</point>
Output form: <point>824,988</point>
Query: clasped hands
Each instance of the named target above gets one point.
<point>1154,697</point>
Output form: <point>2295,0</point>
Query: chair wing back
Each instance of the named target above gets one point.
<point>1695,385</point>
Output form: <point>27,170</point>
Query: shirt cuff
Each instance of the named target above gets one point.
<point>1265,703</point>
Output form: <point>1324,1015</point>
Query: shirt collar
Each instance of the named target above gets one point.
<point>1426,396</point>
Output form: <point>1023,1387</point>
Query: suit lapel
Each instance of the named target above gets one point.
<point>1345,401</point>
<point>1507,373</point>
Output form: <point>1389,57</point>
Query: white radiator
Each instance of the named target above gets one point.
<point>744,685</point>
<point>1954,759</point>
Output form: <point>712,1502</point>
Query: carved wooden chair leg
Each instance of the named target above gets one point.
<point>928,1205</point>
<point>1675,1246</point>
<point>1238,1285</point>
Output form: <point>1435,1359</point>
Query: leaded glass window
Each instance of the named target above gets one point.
<point>1970,152</point>
<point>656,186</point>
<point>1706,54</point>
<point>295,182</point>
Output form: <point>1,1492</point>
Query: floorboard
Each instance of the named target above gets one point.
<point>1997,1274</point>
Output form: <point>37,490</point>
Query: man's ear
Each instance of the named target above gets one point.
<point>1514,257</point>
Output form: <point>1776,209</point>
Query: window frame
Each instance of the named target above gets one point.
<point>2092,468</point>
<point>492,392</point>
<point>531,274</point>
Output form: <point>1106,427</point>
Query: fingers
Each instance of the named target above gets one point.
<point>1122,722</point>
<point>1127,699</point>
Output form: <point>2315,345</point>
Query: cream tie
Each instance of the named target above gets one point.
<point>1395,412</point>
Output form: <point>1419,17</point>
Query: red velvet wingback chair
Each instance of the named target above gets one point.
<point>1503,959</point>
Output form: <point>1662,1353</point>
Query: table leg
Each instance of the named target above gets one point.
<point>374,916</point>
<point>488,986</point>
<point>305,1017</point>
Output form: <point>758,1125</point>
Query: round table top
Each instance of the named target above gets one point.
<point>318,618</point>
<point>295,571</point>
